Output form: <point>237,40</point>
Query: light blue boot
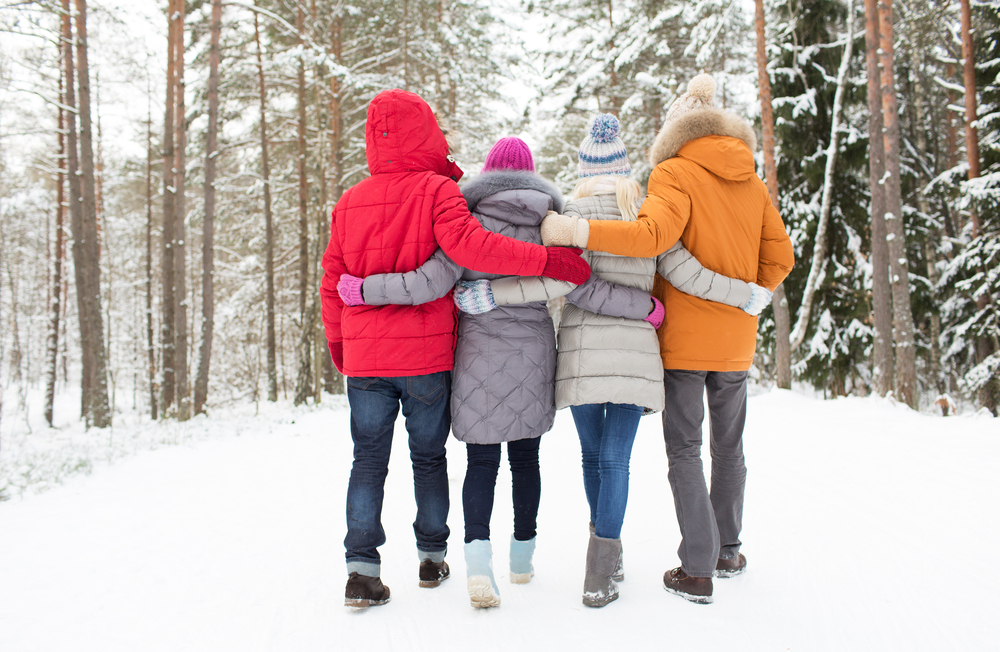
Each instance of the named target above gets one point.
<point>521,552</point>
<point>483,591</point>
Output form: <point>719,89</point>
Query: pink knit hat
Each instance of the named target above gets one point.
<point>509,154</point>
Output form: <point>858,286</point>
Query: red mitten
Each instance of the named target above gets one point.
<point>565,264</point>
<point>337,355</point>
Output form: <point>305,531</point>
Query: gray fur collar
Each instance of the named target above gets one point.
<point>490,183</point>
<point>697,124</point>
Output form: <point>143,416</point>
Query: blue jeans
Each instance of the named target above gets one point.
<point>607,431</point>
<point>480,487</point>
<point>374,405</point>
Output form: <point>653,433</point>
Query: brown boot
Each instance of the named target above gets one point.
<point>731,567</point>
<point>365,591</point>
<point>695,589</point>
<point>432,573</point>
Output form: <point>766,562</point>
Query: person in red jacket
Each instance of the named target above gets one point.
<point>403,355</point>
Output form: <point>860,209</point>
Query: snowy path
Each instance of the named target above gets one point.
<point>867,527</point>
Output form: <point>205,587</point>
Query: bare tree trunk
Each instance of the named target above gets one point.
<point>902,313</point>
<point>272,365</point>
<point>167,323</point>
<point>150,350</point>
<point>333,379</point>
<point>56,305</point>
<point>99,409</point>
<point>76,206</point>
<point>782,319</point>
<point>817,269</point>
<point>208,231</point>
<point>303,383</point>
<point>180,214</point>
<point>882,370</point>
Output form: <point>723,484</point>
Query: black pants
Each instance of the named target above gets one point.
<point>480,486</point>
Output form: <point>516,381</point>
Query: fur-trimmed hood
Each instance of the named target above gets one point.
<point>490,183</point>
<point>697,124</point>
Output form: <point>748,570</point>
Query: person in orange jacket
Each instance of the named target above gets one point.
<point>703,191</point>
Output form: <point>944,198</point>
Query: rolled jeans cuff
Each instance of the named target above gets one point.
<point>368,568</point>
<point>436,556</point>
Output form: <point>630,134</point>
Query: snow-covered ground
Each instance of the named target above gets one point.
<point>867,527</point>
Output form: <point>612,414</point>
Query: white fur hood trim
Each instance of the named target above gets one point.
<point>697,124</point>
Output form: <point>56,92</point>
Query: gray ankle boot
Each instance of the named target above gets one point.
<point>598,587</point>
<point>619,574</point>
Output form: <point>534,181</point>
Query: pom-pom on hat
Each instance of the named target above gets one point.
<point>509,154</point>
<point>700,95</point>
<point>602,151</point>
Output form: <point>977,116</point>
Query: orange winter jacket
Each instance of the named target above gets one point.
<point>704,191</point>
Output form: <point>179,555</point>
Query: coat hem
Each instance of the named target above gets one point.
<point>707,365</point>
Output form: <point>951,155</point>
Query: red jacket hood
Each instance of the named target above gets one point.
<point>402,135</point>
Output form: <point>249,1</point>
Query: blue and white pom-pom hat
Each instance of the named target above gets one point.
<point>602,152</point>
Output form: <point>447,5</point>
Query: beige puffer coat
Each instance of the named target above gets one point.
<point>605,359</point>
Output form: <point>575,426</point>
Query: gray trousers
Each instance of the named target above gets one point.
<point>710,523</point>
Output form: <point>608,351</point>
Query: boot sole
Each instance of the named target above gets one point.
<point>481,593</point>
<point>430,584</point>
<point>521,578</point>
<point>363,603</point>
<point>730,573</point>
<point>697,599</point>
<point>596,603</point>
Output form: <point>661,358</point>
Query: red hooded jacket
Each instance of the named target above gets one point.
<point>392,222</point>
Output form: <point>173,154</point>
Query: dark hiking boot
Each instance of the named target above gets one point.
<point>695,589</point>
<point>731,567</point>
<point>432,573</point>
<point>365,591</point>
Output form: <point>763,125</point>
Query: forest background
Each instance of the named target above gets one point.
<point>168,168</point>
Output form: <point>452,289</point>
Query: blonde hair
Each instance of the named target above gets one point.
<point>627,193</point>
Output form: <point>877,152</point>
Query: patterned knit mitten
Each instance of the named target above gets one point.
<point>474,297</point>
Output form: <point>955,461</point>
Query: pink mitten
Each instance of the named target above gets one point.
<point>349,288</point>
<point>656,317</point>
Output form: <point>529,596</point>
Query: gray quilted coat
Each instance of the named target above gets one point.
<point>505,360</point>
<point>603,358</point>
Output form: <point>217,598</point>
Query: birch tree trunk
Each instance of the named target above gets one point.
<point>272,365</point>
<point>150,349</point>
<point>180,214</point>
<point>208,230</point>
<point>782,320</point>
<point>52,349</point>
<point>167,323</point>
<point>902,312</point>
<point>882,368</point>
<point>817,269</point>
<point>99,409</point>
